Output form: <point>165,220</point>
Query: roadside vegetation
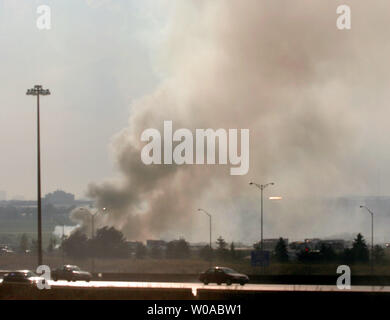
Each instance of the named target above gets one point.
<point>108,251</point>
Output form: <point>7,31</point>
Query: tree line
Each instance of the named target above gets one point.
<point>111,243</point>
<point>359,253</point>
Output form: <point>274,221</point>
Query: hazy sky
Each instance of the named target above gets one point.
<point>96,60</point>
<point>315,99</point>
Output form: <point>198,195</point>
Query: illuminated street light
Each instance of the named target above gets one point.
<point>372,236</point>
<point>39,91</point>
<point>93,231</point>
<point>261,187</point>
<point>202,210</point>
<point>93,219</point>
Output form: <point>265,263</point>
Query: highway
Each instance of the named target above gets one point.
<point>234,287</point>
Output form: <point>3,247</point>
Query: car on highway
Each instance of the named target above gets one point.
<point>220,275</point>
<point>21,277</point>
<point>70,273</point>
<point>5,250</point>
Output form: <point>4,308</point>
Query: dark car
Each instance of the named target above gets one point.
<point>223,275</point>
<point>21,277</point>
<point>70,273</point>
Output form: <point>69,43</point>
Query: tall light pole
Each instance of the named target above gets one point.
<point>261,187</point>
<point>93,232</point>
<point>93,219</point>
<point>62,244</point>
<point>372,237</point>
<point>39,91</point>
<point>93,225</point>
<point>202,210</point>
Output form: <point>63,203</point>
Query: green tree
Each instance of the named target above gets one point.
<point>206,253</point>
<point>281,254</point>
<point>222,251</point>
<point>23,245</point>
<point>109,243</point>
<point>140,251</point>
<point>347,256</point>
<point>178,249</point>
<point>76,245</point>
<point>309,256</point>
<point>327,252</point>
<point>156,252</point>
<point>257,245</point>
<point>359,249</point>
<point>378,254</point>
<point>221,243</point>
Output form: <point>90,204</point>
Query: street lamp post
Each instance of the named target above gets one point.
<point>39,91</point>
<point>261,187</point>
<point>93,221</point>
<point>93,225</point>
<point>62,243</point>
<point>372,237</point>
<point>209,215</point>
<point>92,238</point>
<point>93,232</point>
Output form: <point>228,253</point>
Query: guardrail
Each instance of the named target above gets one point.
<point>315,294</point>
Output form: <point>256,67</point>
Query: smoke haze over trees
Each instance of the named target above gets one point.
<point>306,91</point>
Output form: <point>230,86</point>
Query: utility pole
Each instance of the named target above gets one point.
<point>209,215</point>
<point>93,238</point>
<point>39,91</point>
<point>372,238</point>
<point>62,244</point>
<point>261,187</point>
<point>103,210</point>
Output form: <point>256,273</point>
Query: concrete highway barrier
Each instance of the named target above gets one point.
<point>359,280</point>
<point>18,292</point>
<point>300,298</point>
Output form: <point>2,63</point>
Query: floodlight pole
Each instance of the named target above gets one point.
<point>372,237</point>
<point>261,187</point>
<point>209,215</point>
<point>93,232</point>
<point>38,91</point>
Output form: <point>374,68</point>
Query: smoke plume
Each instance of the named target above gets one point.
<point>281,69</point>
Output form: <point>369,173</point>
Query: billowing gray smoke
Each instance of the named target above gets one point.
<point>283,70</point>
